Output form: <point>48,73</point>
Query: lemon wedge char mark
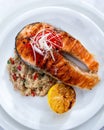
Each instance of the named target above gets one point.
<point>61,98</point>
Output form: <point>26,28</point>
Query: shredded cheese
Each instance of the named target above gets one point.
<point>44,42</point>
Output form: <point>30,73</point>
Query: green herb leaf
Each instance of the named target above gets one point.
<point>8,62</point>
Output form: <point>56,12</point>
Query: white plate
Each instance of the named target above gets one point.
<point>35,112</point>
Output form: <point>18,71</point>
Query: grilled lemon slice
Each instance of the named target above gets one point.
<point>61,98</point>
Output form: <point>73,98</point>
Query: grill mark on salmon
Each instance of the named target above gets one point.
<point>60,68</point>
<point>75,48</point>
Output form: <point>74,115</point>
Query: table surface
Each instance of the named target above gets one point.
<point>8,6</point>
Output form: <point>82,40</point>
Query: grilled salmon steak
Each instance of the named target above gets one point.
<point>41,46</point>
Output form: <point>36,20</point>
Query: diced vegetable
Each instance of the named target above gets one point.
<point>35,76</point>
<point>19,67</point>
<point>14,77</point>
<point>8,62</point>
<point>11,60</point>
<point>33,93</point>
<point>14,69</point>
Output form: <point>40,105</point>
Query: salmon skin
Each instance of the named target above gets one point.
<point>41,45</point>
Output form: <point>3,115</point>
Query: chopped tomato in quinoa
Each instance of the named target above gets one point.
<point>27,80</point>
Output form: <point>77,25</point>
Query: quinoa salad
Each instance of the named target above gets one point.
<point>28,80</point>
